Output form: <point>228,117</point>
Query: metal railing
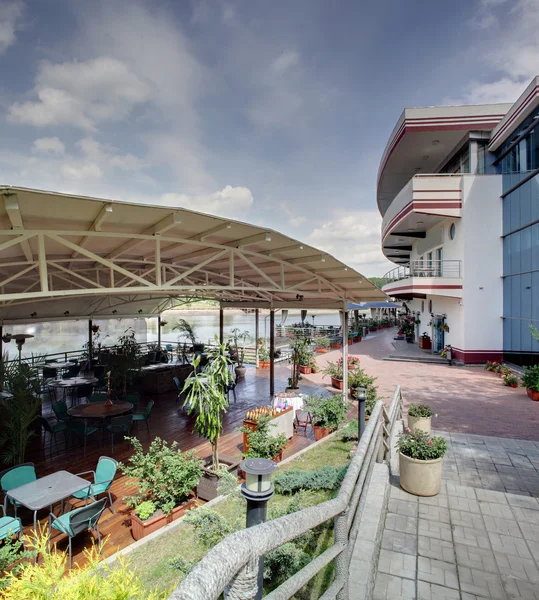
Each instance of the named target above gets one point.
<point>425,268</point>
<point>231,566</point>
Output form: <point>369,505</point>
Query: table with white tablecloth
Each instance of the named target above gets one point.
<point>288,399</point>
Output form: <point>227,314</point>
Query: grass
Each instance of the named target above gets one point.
<point>152,561</point>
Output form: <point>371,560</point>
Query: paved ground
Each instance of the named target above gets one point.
<point>466,399</point>
<point>478,539</point>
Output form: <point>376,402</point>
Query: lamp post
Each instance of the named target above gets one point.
<point>257,490</point>
<point>361,395</point>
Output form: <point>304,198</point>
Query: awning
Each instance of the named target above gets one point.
<point>65,257</point>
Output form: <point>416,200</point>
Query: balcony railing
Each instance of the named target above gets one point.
<point>425,268</point>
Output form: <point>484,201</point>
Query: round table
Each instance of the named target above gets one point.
<point>73,382</point>
<point>60,365</point>
<point>99,410</point>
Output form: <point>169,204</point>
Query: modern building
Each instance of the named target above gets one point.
<point>458,190</point>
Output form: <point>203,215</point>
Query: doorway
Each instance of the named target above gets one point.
<point>438,342</point>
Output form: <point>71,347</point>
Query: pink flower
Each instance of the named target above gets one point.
<point>430,442</point>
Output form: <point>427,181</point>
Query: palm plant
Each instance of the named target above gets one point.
<point>237,341</point>
<point>126,360</point>
<point>186,330</point>
<point>206,397</point>
<point>20,410</point>
<point>300,348</point>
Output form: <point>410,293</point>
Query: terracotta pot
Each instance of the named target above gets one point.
<point>335,345</point>
<point>349,342</point>
<point>321,350</point>
<point>420,424</point>
<point>320,432</point>
<point>420,477</point>
<point>264,364</point>
<point>336,383</point>
<point>141,529</point>
<point>278,458</point>
<point>513,385</point>
<point>305,370</point>
<point>533,394</point>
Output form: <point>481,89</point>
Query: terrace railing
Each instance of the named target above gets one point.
<point>425,268</point>
<point>231,566</point>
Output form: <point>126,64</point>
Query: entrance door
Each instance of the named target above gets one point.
<point>438,335</point>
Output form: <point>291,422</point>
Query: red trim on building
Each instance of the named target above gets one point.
<point>515,115</point>
<point>474,357</point>
<point>421,204</point>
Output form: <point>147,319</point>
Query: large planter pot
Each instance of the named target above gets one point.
<point>207,487</point>
<point>532,394</point>
<point>141,529</point>
<point>320,432</point>
<point>420,424</point>
<point>321,350</point>
<point>357,339</point>
<point>420,477</point>
<point>335,345</point>
<point>305,370</point>
<point>336,383</point>
<point>240,372</point>
<point>264,364</point>
<point>349,342</point>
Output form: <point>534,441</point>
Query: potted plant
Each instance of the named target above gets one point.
<point>353,362</point>
<point>205,397</point>
<point>263,355</point>
<point>261,443</point>
<point>125,360</point>
<point>327,413</point>
<point>300,349</point>
<point>334,371</point>
<point>165,477</point>
<point>188,332</point>
<point>335,344</point>
<point>510,380</point>
<point>420,462</point>
<point>237,340</point>
<point>419,418</point>
<point>307,361</point>
<point>530,380</point>
<point>358,378</point>
<point>322,344</point>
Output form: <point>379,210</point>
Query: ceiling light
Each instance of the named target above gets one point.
<point>435,142</point>
<point>420,222</point>
<point>323,259</point>
<point>346,268</point>
<point>268,237</point>
<point>411,229</point>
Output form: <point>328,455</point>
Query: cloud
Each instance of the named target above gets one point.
<point>292,218</point>
<point>285,61</point>
<point>228,202</point>
<point>82,94</point>
<point>354,238</point>
<point>515,54</point>
<point>10,16</point>
<point>49,145</point>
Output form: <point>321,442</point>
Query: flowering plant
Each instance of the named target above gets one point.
<point>421,446</point>
<point>353,361</point>
<point>510,379</point>
<point>420,410</point>
<point>493,366</point>
<point>443,353</point>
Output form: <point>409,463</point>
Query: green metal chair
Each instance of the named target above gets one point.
<point>103,477</point>
<point>60,411</point>
<point>14,477</point>
<point>81,428</point>
<point>9,526</point>
<point>121,424</point>
<point>144,414</point>
<point>76,521</point>
<point>52,429</point>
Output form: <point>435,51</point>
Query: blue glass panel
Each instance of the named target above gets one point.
<point>525,207</point>
<point>534,243</point>
<point>515,209</point>
<point>515,334</point>
<point>515,252</point>
<point>525,250</point>
<point>525,336</point>
<point>535,296</point>
<point>534,199</point>
<point>506,215</point>
<point>507,256</point>
<point>507,335</point>
<point>507,305</point>
<point>525,296</point>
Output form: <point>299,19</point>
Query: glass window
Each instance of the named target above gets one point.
<point>511,162</point>
<point>482,158</point>
<point>452,230</point>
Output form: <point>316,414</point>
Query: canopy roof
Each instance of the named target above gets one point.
<point>65,256</point>
<point>366,305</point>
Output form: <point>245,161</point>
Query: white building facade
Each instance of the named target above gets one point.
<point>444,183</point>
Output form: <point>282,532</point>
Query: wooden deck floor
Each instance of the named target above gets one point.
<point>170,422</point>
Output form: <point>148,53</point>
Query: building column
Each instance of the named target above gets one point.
<point>90,343</point>
<point>257,325</point>
<point>344,321</point>
<point>159,331</point>
<point>272,352</point>
<point>221,326</point>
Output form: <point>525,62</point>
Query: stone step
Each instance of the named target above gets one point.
<point>434,360</point>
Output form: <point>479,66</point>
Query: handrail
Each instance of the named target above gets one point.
<point>425,268</point>
<point>232,564</point>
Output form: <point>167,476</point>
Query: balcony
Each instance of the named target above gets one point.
<point>422,203</point>
<point>437,278</point>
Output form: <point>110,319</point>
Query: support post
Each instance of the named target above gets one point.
<point>159,331</point>
<point>221,326</point>
<point>90,344</point>
<point>344,320</point>
<point>257,326</point>
<point>272,352</point>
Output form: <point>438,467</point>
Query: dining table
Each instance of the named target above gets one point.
<point>99,410</point>
<point>73,382</point>
<point>46,491</point>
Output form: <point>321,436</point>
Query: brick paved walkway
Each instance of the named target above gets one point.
<point>466,399</point>
<point>478,539</point>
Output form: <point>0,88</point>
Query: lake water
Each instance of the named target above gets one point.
<point>62,336</point>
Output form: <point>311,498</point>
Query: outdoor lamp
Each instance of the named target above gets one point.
<point>361,395</point>
<point>257,490</point>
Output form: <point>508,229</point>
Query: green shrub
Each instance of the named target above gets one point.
<point>325,478</point>
<point>164,474</point>
<point>12,556</point>
<point>530,379</point>
<point>420,410</point>
<point>211,527</point>
<point>183,565</point>
<point>326,411</point>
<point>261,443</point>
<point>280,564</point>
<point>145,510</point>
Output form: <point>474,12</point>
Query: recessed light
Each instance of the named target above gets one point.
<point>420,222</point>
<point>435,142</point>
<point>411,229</point>
<point>425,157</point>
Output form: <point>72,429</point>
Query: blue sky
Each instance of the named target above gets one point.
<point>273,112</point>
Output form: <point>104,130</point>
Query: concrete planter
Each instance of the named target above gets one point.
<point>209,482</point>
<point>420,477</point>
<point>420,424</point>
<point>240,372</point>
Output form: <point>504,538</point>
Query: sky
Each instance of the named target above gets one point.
<point>274,112</point>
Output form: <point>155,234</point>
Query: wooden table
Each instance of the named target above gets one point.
<point>99,410</point>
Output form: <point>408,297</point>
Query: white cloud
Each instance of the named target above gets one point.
<point>292,218</point>
<point>354,238</point>
<point>49,145</point>
<point>11,12</point>
<point>285,61</point>
<point>228,202</point>
<point>82,94</point>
